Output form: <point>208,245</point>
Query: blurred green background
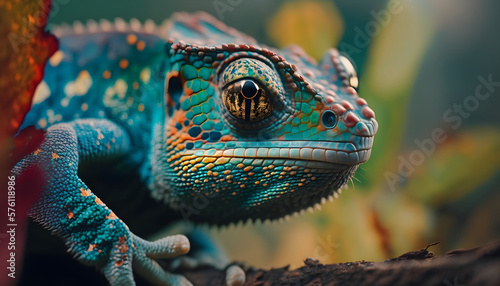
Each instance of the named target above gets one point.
<point>417,61</point>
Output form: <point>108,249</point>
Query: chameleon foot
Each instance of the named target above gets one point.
<point>145,253</point>
<point>118,271</point>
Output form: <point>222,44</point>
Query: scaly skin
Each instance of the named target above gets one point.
<point>221,129</point>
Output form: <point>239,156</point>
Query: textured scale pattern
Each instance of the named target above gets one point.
<point>295,131</point>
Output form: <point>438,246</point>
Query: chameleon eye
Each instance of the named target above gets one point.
<point>247,101</point>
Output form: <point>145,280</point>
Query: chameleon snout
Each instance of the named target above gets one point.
<point>360,120</point>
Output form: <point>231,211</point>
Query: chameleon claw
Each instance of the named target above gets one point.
<point>168,247</point>
<point>235,276</point>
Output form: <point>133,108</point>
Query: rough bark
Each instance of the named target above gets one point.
<point>478,266</point>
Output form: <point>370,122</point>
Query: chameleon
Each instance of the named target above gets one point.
<point>218,128</point>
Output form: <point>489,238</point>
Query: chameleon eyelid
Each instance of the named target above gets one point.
<point>226,62</point>
<point>256,80</point>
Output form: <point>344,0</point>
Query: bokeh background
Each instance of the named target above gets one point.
<point>417,60</point>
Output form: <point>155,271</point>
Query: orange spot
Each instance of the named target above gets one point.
<point>37,151</point>
<point>55,156</point>
<point>85,193</point>
<point>112,216</point>
<point>140,45</point>
<point>131,39</point>
<point>119,263</point>
<point>135,85</point>
<point>124,249</point>
<point>234,193</point>
<point>106,74</point>
<point>98,201</point>
<point>91,247</point>
<point>70,214</point>
<point>123,63</point>
<point>121,240</point>
<point>141,108</point>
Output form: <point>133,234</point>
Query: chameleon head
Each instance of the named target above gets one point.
<point>252,134</point>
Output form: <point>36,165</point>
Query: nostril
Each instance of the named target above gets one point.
<point>350,119</point>
<point>329,119</point>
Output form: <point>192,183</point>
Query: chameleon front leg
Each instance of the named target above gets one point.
<point>93,233</point>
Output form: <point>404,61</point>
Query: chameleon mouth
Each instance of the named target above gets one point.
<point>245,180</point>
<point>311,154</point>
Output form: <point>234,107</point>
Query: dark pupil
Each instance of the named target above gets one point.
<point>247,101</point>
<point>249,89</point>
<point>328,119</point>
